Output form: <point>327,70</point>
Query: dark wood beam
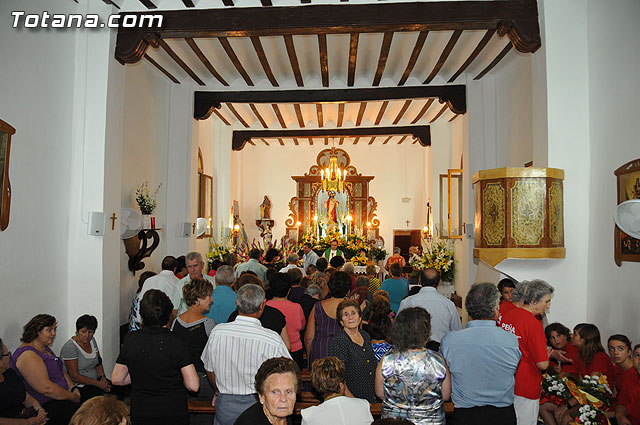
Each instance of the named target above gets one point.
<point>421,132</point>
<point>293,59</point>
<point>494,62</point>
<point>180,62</point>
<point>310,141</point>
<point>237,115</point>
<point>383,108</point>
<point>265,142</point>
<point>453,95</point>
<point>262,57</point>
<point>363,106</point>
<point>299,116</point>
<point>257,114</point>
<point>402,111</point>
<point>372,140</point>
<point>443,57</point>
<point>453,117</point>
<point>161,68</point>
<point>276,110</point>
<point>382,59</point>
<point>222,118</point>
<point>340,114</point>
<point>320,115</point>
<point>353,56</point>
<point>444,108</point>
<point>481,45</point>
<point>402,139</point>
<point>417,49</point>
<point>295,141</point>
<point>326,141</point>
<point>387,140</point>
<point>281,142</point>
<point>111,2</point>
<point>324,59</point>
<point>148,4</point>
<point>228,3</point>
<point>518,19</point>
<point>191,42</point>
<point>266,3</point>
<point>422,111</point>
<point>234,59</point>
<point>188,3</point>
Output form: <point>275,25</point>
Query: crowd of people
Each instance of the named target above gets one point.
<point>240,336</point>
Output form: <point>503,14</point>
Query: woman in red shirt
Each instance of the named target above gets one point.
<point>628,407</point>
<point>620,351</point>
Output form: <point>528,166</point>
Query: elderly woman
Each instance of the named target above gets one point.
<point>16,405</point>
<point>328,378</point>
<point>413,381</point>
<point>158,365</point>
<point>101,410</point>
<point>536,299</point>
<point>42,371</point>
<point>82,359</point>
<point>322,324</point>
<point>353,347</point>
<point>277,383</point>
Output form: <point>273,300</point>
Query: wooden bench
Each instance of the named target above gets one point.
<point>305,400</point>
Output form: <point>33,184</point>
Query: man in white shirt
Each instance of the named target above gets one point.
<point>165,281</point>
<point>253,265</point>
<point>235,351</point>
<point>292,263</point>
<point>195,265</point>
<point>309,257</point>
<point>444,314</point>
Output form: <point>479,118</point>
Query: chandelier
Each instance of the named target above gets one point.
<point>333,176</point>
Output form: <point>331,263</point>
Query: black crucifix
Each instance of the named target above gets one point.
<point>408,221</point>
<point>113,219</point>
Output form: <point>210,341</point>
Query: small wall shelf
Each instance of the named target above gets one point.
<point>137,247</point>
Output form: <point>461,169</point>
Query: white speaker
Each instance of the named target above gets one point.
<point>96,223</point>
<point>186,229</point>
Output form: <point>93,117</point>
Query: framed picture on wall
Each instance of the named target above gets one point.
<point>627,248</point>
<point>205,208</point>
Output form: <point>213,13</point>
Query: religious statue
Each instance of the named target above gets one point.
<point>332,210</point>
<point>265,209</point>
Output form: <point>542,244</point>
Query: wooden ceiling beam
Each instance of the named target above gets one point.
<point>443,57</point>
<point>222,118</point>
<point>340,114</point>
<point>276,110</point>
<point>234,60</point>
<point>299,115</point>
<point>422,111</point>
<point>262,57</point>
<point>265,142</point>
<point>353,56</point>
<point>228,3</point>
<point>257,114</point>
<point>356,140</point>
<point>494,62</point>
<point>415,53</point>
<point>363,106</point>
<point>402,139</point>
<point>444,108</point>
<point>180,62</point>
<point>161,68</point>
<point>111,2</point>
<point>382,59</point>
<point>518,19</point>
<point>293,60</point>
<point>188,3</point>
<point>481,45</point>
<point>281,142</point>
<point>266,3</point>
<point>191,42</point>
<point>148,4</point>
<point>320,114</point>
<point>324,59</point>
<point>387,140</point>
<point>421,132</point>
<point>372,140</point>
<point>402,111</point>
<point>383,107</point>
<point>237,115</point>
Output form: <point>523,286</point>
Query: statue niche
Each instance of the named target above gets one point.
<point>316,209</point>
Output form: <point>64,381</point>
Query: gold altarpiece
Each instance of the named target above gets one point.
<point>309,200</point>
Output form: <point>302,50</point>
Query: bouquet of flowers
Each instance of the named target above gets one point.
<point>555,390</point>
<point>589,415</point>
<point>145,199</point>
<point>358,260</point>
<point>437,255</point>
<point>379,253</point>
<point>593,390</point>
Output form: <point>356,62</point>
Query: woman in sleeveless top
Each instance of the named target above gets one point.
<point>42,371</point>
<point>322,324</point>
<point>413,381</point>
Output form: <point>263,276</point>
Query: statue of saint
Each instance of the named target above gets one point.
<point>332,210</point>
<point>265,209</point>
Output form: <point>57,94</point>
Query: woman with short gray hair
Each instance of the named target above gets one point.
<point>522,322</point>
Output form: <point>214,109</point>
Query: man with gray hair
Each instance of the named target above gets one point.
<point>482,360</point>
<point>235,351</point>
<point>195,265</point>
<point>224,299</point>
<point>292,263</point>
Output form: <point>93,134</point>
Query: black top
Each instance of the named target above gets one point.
<point>196,338</point>
<point>271,318</point>
<point>359,362</point>
<point>154,357</point>
<point>254,415</point>
<point>306,302</point>
<point>12,395</point>
<point>295,293</point>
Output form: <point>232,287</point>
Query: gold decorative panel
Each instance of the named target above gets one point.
<point>307,190</point>
<point>358,190</point>
<point>527,211</point>
<point>556,216</point>
<point>493,213</point>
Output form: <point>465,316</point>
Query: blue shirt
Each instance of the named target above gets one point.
<point>397,289</point>
<point>482,360</point>
<point>224,303</point>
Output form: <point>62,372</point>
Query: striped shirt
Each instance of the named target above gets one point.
<point>235,351</point>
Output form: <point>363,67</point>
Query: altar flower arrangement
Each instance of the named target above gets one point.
<point>358,260</point>
<point>145,199</point>
<point>555,390</point>
<point>354,245</point>
<point>379,253</point>
<point>438,254</point>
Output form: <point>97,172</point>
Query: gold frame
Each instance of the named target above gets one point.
<point>457,174</point>
<point>205,209</point>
